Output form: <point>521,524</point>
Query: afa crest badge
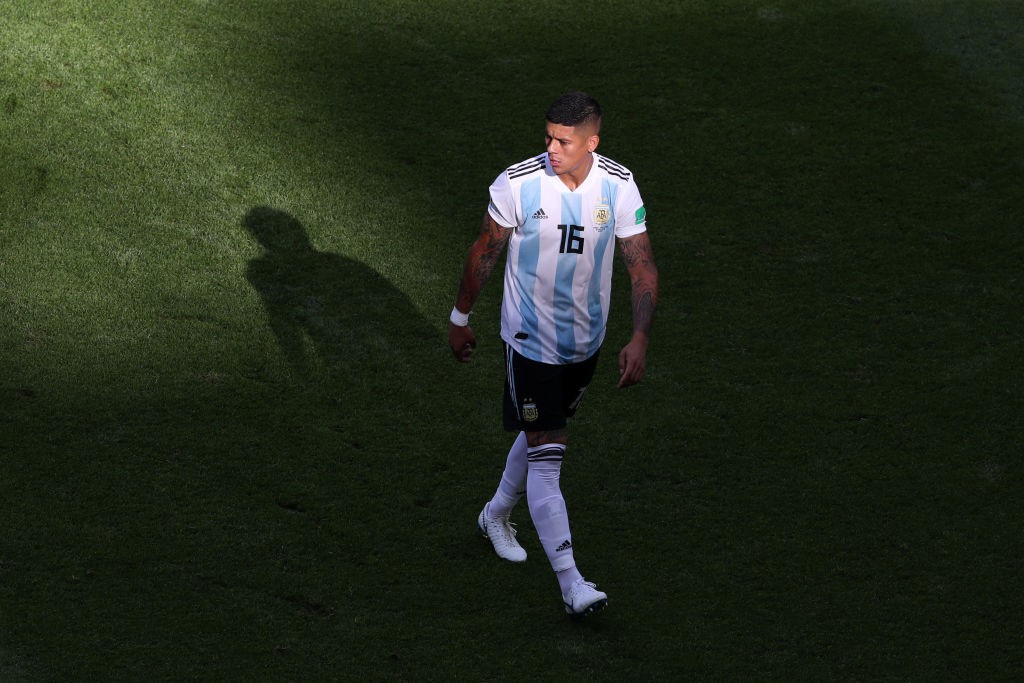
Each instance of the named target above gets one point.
<point>530,412</point>
<point>602,216</point>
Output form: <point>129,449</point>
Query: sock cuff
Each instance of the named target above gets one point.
<point>549,452</point>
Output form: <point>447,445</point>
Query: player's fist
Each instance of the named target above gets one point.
<point>462,341</point>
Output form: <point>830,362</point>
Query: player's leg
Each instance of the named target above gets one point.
<point>545,453</point>
<point>512,485</point>
<point>548,396</point>
<point>551,520</point>
<point>518,410</point>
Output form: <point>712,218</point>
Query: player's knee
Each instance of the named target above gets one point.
<point>534,439</point>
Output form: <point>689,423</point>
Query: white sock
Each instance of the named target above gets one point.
<point>547,506</point>
<point>513,480</point>
<point>567,578</point>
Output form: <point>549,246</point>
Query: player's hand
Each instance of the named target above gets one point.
<point>632,361</point>
<point>462,341</point>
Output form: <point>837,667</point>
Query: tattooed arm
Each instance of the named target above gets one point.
<point>643,275</point>
<point>483,255</point>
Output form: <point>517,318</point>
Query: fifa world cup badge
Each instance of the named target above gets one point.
<point>530,412</point>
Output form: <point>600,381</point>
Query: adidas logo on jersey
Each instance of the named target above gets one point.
<point>539,215</point>
<point>566,545</point>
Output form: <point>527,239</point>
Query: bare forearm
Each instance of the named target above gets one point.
<point>480,262</point>
<point>643,274</point>
<point>479,265</point>
<point>645,300</point>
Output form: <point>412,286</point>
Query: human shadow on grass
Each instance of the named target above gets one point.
<point>349,336</point>
<point>366,463</point>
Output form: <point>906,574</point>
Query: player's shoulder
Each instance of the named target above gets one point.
<point>526,168</point>
<point>613,169</point>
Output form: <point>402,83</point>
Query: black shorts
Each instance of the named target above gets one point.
<point>541,397</point>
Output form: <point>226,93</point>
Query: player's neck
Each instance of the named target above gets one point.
<point>576,177</point>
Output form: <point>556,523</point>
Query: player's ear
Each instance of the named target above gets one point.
<point>592,142</point>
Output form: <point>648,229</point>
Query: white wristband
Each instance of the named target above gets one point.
<point>459,318</point>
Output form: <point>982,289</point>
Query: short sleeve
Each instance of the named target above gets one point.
<point>630,214</point>
<point>503,206</point>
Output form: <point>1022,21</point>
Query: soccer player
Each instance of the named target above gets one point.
<point>557,214</point>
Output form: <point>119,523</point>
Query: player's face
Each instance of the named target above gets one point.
<point>569,147</point>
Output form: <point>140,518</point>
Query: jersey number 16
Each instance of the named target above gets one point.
<point>572,241</point>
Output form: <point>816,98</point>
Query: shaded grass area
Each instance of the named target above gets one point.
<point>234,444</point>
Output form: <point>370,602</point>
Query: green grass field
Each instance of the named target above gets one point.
<point>234,445</point>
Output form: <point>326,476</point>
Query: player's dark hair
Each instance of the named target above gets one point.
<point>574,109</point>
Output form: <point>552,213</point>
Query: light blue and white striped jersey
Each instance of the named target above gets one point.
<point>558,271</point>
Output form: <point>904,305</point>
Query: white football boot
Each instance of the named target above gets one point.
<point>583,599</point>
<point>502,536</point>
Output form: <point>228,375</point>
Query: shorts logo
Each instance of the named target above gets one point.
<point>602,216</point>
<point>530,412</point>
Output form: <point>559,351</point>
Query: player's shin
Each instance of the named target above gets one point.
<point>513,479</point>
<point>547,506</point>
